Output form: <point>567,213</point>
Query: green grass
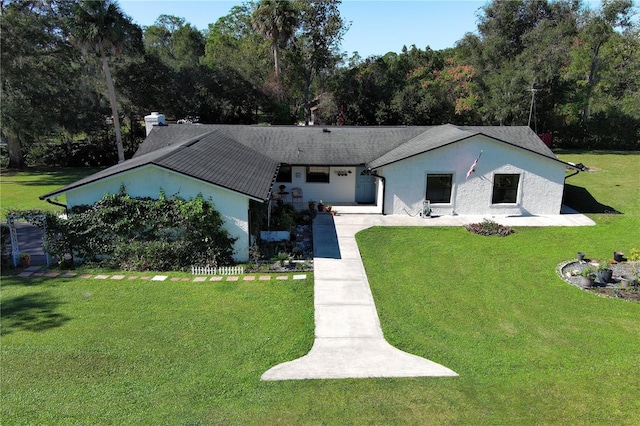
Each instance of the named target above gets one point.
<point>22,189</point>
<point>529,348</point>
<point>82,351</point>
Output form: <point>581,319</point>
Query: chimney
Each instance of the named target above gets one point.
<point>154,119</point>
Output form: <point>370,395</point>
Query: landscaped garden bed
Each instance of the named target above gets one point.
<point>622,284</point>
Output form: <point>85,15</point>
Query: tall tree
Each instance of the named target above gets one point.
<point>176,43</point>
<point>317,42</point>
<point>598,28</point>
<point>41,90</point>
<point>276,21</point>
<point>99,27</point>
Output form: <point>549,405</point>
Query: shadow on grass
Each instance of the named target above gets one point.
<point>581,200</point>
<point>55,177</point>
<point>32,312</point>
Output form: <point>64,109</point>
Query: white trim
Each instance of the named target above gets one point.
<point>452,196</point>
<point>518,201</point>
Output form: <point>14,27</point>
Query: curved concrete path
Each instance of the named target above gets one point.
<point>348,339</point>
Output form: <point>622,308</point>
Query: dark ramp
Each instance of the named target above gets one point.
<point>325,238</point>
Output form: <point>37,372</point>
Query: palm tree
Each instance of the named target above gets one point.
<point>100,27</point>
<point>276,21</point>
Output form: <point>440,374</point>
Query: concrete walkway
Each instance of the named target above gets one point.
<point>348,338</point>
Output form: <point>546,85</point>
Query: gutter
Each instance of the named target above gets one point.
<point>55,203</point>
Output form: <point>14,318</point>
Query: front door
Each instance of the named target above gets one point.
<point>365,187</point>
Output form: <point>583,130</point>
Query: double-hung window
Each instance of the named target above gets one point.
<point>439,188</point>
<point>505,188</point>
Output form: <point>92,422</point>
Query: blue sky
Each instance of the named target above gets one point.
<point>377,27</point>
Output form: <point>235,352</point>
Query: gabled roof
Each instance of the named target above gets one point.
<point>211,157</point>
<point>296,144</point>
<point>439,136</point>
<point>245,158</point>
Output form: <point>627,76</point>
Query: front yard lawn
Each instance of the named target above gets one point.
<point>529,348</point>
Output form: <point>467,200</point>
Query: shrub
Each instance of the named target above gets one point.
<point>143,233</point>
<point>5,242</point>
<point>488,228</point>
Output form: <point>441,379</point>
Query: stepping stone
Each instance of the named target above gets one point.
<point>133,277</point>
<point>101,277</point>
<point>159,278</point>
<point>249,278</point>
<point>199,279</point>
<point>51,274</point>
<point>85,276</point>
<point>117,277</point>
<point>144,278</point>
<point>299,277</point>
<point>265,278</point>
<point>215,279</point>
<point>282,278</point>
<point>185,279</point>
<point>69,275</point>
<point>24,274</point>
<point>32,269</point>
<point>174,279</point>
<point>37,274</point>
<point>232,278</point>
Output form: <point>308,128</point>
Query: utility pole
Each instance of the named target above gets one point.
<point>532,110</point>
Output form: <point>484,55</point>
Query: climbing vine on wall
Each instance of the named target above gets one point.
<point>132,233</point>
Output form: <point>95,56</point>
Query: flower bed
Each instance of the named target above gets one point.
<point>621,286</point>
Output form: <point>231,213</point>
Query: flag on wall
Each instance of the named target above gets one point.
<point>473,166</point>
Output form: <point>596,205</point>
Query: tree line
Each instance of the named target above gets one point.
<point>73,69</point>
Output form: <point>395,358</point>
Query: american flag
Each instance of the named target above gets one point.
<point>473,166</point>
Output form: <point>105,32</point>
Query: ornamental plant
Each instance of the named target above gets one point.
<point>142,233</point>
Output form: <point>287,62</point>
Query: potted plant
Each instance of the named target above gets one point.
<point>587,277</point>
<point>312,205</point>
<point>320,206</point>
<point>328,207</point>
<point>25,259</point>
<point>605,273</point>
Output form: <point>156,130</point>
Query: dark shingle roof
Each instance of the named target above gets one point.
<point>211,157</point>
<point>245,158</point>
<point>439,136</point>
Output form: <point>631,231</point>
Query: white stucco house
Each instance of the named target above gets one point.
<point>378,170</point>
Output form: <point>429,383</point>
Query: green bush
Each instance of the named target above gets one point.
<point>5,242</point>
<point>143,234</point>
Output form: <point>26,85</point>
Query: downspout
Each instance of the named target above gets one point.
<point>55,203</point>
<point>571,175</point>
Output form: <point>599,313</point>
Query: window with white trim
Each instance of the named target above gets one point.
<point>505,188</point>
<point>439,188</point>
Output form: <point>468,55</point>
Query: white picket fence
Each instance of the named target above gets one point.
<point>223,270</point>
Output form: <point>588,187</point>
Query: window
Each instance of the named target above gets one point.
<point>319,174</point>
<point>505,189</point>
<point>284,173</point>
<point>439,188</point>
